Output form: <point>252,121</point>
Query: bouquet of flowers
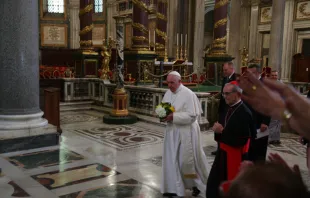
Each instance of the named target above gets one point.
<point>163,110</point>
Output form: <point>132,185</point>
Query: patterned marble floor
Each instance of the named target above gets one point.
<point>99,160</point>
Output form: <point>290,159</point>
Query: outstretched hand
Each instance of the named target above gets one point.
<point>272,98</point>
<point>276,158</point>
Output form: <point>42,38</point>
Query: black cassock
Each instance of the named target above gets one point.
<point>234,145</point>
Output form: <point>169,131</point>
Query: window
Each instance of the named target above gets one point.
<point>98,6</point>
<point>55,6</point>
<point>122,6</point>
<point>130,4</point>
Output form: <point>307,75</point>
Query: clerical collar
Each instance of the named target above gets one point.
<point>235,103</point>
<point>231,75</point>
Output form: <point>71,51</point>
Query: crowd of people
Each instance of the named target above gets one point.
<point>252,110</point>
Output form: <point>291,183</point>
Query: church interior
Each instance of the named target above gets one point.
<point>80,81</point>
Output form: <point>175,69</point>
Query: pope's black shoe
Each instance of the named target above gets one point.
<point>195,192</point>
<point>169,194</point>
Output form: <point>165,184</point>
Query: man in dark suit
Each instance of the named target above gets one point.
<point>234,140</point>
<point>229,75</point>
<point>259,143</point>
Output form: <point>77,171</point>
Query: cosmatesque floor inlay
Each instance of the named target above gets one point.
<point>9,188</point>
<point>123,137</point>
<point>45,158</point>
<point>123,189</point>
<point>67,177</point>
<point>80,117</point>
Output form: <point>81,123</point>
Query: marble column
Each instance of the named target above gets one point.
<point>234,30</point>
<point>190,26</point>
<point>172,27</point>
<point>253,30</point>
<point>161,30</point>
<point>220,28</point>
<point>74,9</point>
<point>19,71</point>
<point>276,35</point>
<point>111,9</point>
<point>199,35</point>
<point>140,39</point>
<point>288,44</point>
<point>86,23</point>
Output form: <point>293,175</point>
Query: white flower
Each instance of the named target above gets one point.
<point>160,111</point>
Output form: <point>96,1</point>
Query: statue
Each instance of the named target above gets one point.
<point>244,57</point>
<point>106,55</point>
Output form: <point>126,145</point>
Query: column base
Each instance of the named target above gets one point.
<point>23,132</point>
<point>17,122</point>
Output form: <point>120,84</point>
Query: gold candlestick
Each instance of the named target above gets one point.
<point>181,53</point>
<point>177,55</point>
<point>185,54</point>
<point>166,53</point>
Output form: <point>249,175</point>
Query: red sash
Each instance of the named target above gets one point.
<point>234,158</point>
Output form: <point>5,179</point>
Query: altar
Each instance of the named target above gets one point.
<point>183,67</point>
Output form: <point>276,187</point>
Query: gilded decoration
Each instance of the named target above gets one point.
<point>222,45</point>
<point>86,43</point>
<point>141,5</point>
<point>161,16</point>
<point>54,35</point>
<point>220,40</point>
<point>87,29</point>
<point>220,23</point>
<point>106,58</point>
<point>140,27</point>
<point>303,10</point>
<point>218,52</point>
<point>265,14</point>
<point>139,38</point>
<point>87,9</point>
<point>221,4</point>
<point>160,46</point>
<point>244,57</point>
<point>161,34</point>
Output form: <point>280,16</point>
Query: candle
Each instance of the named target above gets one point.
<point>185,40</point>
<point>150,38</point>
<point>181,40</point>
<point>177,39</point>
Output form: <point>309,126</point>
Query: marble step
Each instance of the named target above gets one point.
<point>75,106</point>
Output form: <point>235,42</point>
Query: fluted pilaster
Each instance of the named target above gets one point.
<point>74,9</point>
<point>276,35</point>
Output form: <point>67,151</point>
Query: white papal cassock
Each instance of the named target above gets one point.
<point>184,161</point>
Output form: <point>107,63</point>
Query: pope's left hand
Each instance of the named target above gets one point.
<point>169,117</point>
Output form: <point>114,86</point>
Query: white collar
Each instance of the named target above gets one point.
<point>178,89</point>
<point>236,103</point>
<point>231,75</point>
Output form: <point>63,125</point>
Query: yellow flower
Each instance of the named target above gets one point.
<point>172,109</point>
